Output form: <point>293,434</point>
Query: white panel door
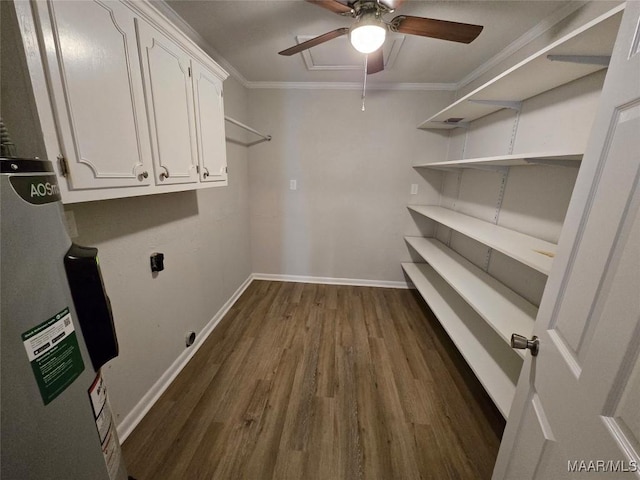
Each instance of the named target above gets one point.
<point>96,87</point>
<point>577,408</point>
<point>209,106</point>
<point>167,81</point>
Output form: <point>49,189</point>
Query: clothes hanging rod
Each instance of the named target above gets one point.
<point>265,138</point>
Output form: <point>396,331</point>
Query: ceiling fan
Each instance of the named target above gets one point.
<point>368,31</point>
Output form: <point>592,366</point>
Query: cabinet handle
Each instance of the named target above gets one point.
<point>164,174</point>
<point>206,172</point>
<point>143,175</point>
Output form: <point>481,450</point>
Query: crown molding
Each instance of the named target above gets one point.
<point>522,41</point>
<point>351,86</point>
<point>494,61</point>
<point>188,30</point>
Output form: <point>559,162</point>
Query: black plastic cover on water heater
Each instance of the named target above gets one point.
<point>93,307</point>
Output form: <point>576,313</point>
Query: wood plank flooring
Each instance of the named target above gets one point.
<point>305,381</point>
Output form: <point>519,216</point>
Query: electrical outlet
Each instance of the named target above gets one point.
<point>414,189</point>
<point>293,184</point>
<point>157,262</point>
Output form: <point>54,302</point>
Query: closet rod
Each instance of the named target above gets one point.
<point>265,138</point>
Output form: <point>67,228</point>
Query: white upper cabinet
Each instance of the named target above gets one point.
<point>167,81</point>
<point>97,93</point>
<point>129,103</point>
<point>209,109</point>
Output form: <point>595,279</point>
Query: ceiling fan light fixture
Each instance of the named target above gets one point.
<point>368,33</point>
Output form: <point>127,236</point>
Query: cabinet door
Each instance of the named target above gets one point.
<point>212,149</point>
<point>97,92</point>
<point>167,82</point>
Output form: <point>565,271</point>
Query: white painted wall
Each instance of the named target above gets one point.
<point>204,235</point>
<point>348,216</point>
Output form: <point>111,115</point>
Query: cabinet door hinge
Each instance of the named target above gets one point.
<point>64,166</point>
<point>226,170</point>
<point>189,71</point>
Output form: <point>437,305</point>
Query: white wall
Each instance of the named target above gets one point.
<point>204,235</point>
<point>353,170</point>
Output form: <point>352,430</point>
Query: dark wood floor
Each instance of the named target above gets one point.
<point>303,381</point>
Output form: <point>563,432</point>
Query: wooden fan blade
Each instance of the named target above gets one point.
<point>375,62</point>
<point>442,29</point>
<point>315,41</point>
<point>333,5</point>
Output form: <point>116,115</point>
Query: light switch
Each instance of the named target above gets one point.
<point>414,189</point>
<point>293,184</point>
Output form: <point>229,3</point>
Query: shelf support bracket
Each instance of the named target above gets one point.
<point>600,60</point>
<point>513,105</point>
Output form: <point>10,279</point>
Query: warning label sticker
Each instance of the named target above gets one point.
<point>52,349</point>
<point>104,423</point>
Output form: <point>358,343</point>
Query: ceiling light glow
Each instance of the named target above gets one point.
<point>368,34</point>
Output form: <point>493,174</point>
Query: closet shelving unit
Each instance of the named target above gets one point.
<point>500,307</point>
<point>574,56</point>
<point>567,159</point>
<point>477,311</point>
<point>533,252</point>
<point>492,360</point>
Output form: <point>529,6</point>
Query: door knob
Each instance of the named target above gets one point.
<point>521,343</point>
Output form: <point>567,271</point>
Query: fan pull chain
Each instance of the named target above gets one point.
<point>364,84</point>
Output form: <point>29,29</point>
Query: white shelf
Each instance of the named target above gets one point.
<point>519,159</point>
<point>504,310</point>
<point>536,74</point>
<point>494,363</point>
<point>533,252</point>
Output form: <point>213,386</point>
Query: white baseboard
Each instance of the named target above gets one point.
<point>151,397</point>
<point>356,282</point>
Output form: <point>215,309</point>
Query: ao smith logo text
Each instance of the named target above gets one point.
<point>36,189</point>
<point>44,189</point>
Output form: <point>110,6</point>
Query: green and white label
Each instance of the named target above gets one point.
<point>52,348</point>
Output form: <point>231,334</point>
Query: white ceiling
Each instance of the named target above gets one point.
<point>249,35</point>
